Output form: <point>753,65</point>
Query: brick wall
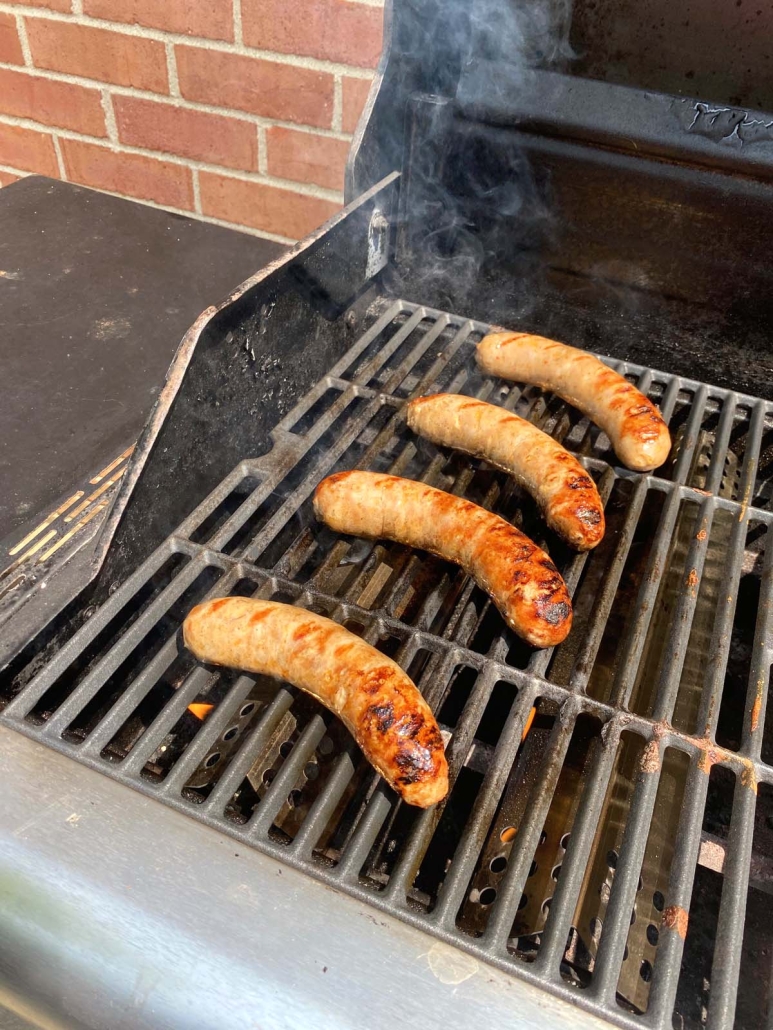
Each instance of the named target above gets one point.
<point>238,110</point>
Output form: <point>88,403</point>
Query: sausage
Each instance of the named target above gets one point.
<point>373,697</point>
<point>522,581</point>
<point>561,486</point>
<point>633,424</point>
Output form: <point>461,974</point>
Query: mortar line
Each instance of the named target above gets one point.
<point>237,16</point>
<point>171,71</point>
<point>110,123</point>
<point>196,191</point>
<point>338,104</point>
<point>183,39</point>
<point>180,102</point>
<point>59,158</point>
<point>302,188</point>
<point>21,31</point>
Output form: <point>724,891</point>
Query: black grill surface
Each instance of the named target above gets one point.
<point>624,832</point>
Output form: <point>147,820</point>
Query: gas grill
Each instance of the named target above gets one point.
<point>615,852</point>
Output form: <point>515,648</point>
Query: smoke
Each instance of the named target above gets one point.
<point>471,198</point>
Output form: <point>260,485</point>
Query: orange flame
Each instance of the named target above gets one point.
<point>529,721</point>
<point>200,711</point>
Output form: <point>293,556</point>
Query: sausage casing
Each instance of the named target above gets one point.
<point>521,579</point>
<point>563,489</point>
<point>373,697</point>
<point>633,424</point>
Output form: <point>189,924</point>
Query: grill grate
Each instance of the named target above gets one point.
<point>549,848</point>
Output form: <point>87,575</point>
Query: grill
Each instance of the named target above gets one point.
<point>568,857</point>
<point>608,836</point>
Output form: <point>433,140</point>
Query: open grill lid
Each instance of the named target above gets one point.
<point>685,81</point>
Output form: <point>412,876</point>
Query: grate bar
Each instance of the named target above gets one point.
<point>498,930</point>
<point>160,662</point>
<point>393,381</point>
<point>457,751</point>
<point>726,966</point>
<point>691,435</point>
<point>28,698</point>
<point>719,651</point>
<point>151,739</point>
<point>210,731</point>
<point>540,660</point>
<point>762,656</point>
<point>720,445</point>
<point>379,359</point>
<point>324,806</point>
<point>687,844</point>
<point>669,400</point>
<point>392,312</point>
<point>575,862</point>
<point>751,458</point>
<point>625,677</point>
<point>367,830</point>
<point>681,623</point>
<point>285,779</point>
<point>586,656</point>
<point>609,956</point>
<point>251,746</point>
<point>429,377</point>
<point>456,883</point>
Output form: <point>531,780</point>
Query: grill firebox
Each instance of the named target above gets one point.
<point>624,835</point>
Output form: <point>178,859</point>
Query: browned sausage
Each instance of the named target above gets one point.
<point>522,581</point>
<point>372,696</point>
<point>633,424</point>
<point>561,486</point>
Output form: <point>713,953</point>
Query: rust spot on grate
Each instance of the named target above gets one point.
<point>676,918</point>
<point>650,758</point>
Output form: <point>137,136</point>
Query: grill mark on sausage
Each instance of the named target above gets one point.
<point>520,578</point>
<point>374,697</point>
<point>539,463</point>
<point>632,422</point>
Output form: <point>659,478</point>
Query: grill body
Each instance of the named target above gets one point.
<point>616,859</point>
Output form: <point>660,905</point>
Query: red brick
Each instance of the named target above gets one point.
<point>212,19</point>
<point>133,174</point>
<point>98,54</point>
<point>354,94</point>
<point>6,178</point>
<point>194,134</point>
<point>334,30</point>
<point>262,206</point>
<point>28,150</point>
<point>261,87</point>
<point>50,5</point>
<point>64,104</point>
<point>10,47</point>
<point>306,157</point>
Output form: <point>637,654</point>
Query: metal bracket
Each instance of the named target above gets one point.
<point>378,244</point>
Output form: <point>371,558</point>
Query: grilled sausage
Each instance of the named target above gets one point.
<point>633,424</point>
<point>373,697</point>
<point>522,581</point>
<point>561,486</point>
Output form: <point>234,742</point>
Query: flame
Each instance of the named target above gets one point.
<point>529,721</point>
<point>200,711</point>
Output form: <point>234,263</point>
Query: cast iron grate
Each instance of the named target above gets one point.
<point>579,855</point>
